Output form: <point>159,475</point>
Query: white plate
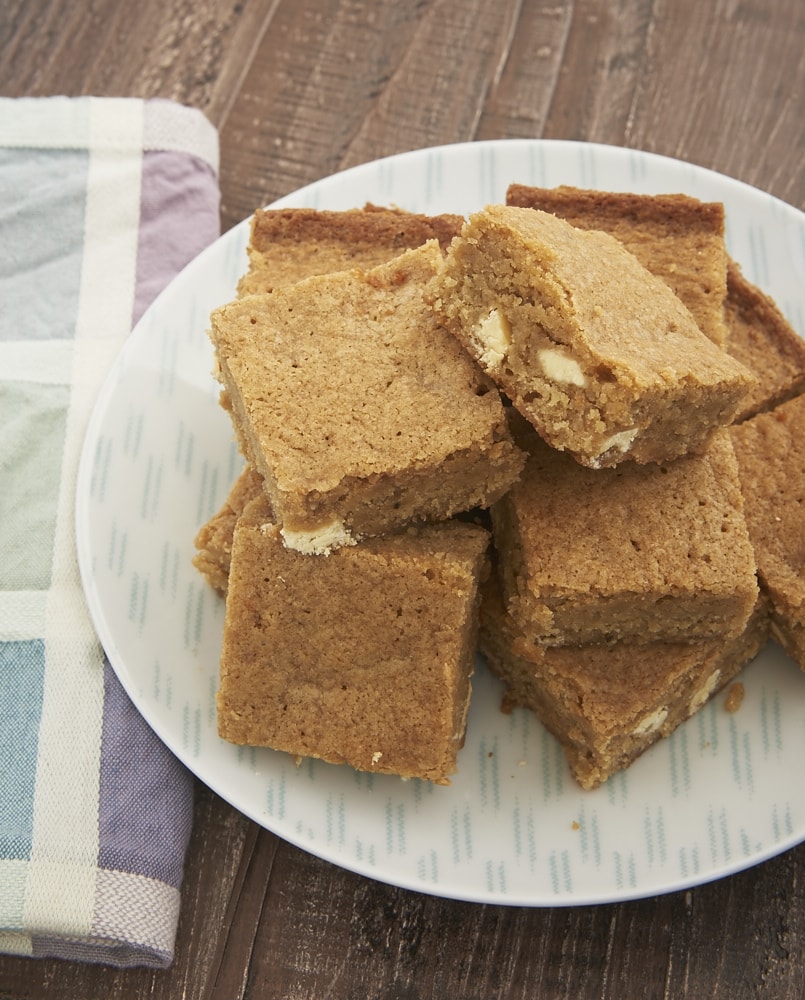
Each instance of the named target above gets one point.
<point>721,794</point>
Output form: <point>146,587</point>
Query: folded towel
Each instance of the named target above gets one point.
<point>102,201</point>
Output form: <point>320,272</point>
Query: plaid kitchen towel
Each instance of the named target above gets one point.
<point>102,201</point>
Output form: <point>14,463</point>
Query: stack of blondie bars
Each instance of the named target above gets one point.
<point>545,430</point>
<point>352,582</point>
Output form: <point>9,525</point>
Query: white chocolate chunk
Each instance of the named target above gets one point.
<point>704,693</point>
<point>494,336</point>
<point>622,442</point>
<point>319,541</point>
<point>560,367</point>
<point>651,723</point>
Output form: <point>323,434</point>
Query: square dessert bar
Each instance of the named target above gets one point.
<point>607,704</point>
<point>634,553</point>
<point>763,340</point>
<point>598,353</point>
<point>678,238</point>
<point>292,243</point>
<point>213,539</point>
<point>771,457</point>
<point>359,411</point>
<point>681,240</point>
<point>364,657</point>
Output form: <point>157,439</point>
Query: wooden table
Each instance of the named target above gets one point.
<point>302,88</point>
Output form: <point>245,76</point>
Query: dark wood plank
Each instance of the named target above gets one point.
<point>349,86</point>
<point>331,933</point>
<point>742,104</point>
<point>521,94</point>
<point>601,69</point>
<point>720,85</point>
<point>191,54</point>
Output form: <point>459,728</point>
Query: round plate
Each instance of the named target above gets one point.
<point>720,795</point>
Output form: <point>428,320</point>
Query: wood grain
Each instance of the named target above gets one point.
<point>741,102</point>
<point>299,89</point>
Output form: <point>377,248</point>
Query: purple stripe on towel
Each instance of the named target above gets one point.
<point>146,794</point>
<point>118,953</point>
<point>178,219</point>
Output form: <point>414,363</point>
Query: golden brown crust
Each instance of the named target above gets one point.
<point>674,214</point>
<point>678,238</point>
<point>771,457</point>
<point>392,229</point>
<point>214,538</point>
<point>289,244</point>
<point>763,340</point>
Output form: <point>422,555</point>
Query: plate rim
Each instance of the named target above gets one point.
<point>116,657</point>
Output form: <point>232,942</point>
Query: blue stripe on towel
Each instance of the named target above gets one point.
<point>22,673</point>
<point>33,418</point>
<point>42,201</point>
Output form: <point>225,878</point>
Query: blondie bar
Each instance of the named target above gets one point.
<point>359,411</point>
<point>634,553</point>
<point>681,240</point>
<point>678,238</point>
<point>292,243</point>
<point>763,340</point>
<point>771,458</point>
<point>598,353</point>
<point>364,657</point>
<point>607,704</point>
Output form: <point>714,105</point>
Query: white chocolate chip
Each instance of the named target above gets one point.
<point>319,541</point>
<point>704,693</point>
<point>622,442</point>
<point>376,757</point>
<point>651,723</point>
<point>494,336</point>
<point>560,367</point>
